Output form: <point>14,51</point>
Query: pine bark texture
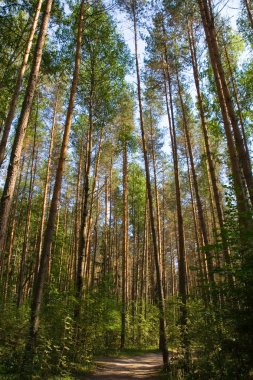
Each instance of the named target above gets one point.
<point>39,283</point>
<point>237,152</point>
<point>161,305</point>
<point>7,196</point>
<point>21,73</point>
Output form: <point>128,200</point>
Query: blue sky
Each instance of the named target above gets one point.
<point>227,8</point>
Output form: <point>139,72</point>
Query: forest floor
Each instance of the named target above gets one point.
<point>125,368</point>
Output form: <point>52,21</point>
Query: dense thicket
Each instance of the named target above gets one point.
<point>126,186</point>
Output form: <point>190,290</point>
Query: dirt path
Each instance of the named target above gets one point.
<point>134,367</point>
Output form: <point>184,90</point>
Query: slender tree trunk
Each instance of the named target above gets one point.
<point>249,12</point>
<point>105,228</point>
<point>170,112</point>
<point>63,243</point>
<point>237,152</point>
<point>158,217</point>
<point>163,338</point>
<point>200,261</point>
<point>206,141</point>
<point>124,247</point>
<point>6,269</point>
<point>20,219</point>
<point>78,205</point>
<point>28,222</point>
<point>44,204</point>
<point>89,227</point>
<point>14,100</point>
<point>196,188</point>
<point>83,241</point>
<point>237,100</point>
<point>146,257</point>
<point>93,271</point>
<point>89,220</point>
<point>39,283</point>
<point>204,126</point>
<point>12,173</point>
<point>110,220</point>
<point>164,240</point>
<point>180,226</point>
<point>158,221</point>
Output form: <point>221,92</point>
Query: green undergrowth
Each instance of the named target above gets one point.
<point>75,373</point>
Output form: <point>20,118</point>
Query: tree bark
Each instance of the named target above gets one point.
<point>238,156</point>
<point>39,282</point>
<point>28,221</point>
<point>180,224</point>
<point>158,217</point>
<point>44,204</point>
<point>124,247</point>
<point>198,241</point>
<point>6,269</point>
<point>89,227</point>
<point>237,101</point>
<point>249,12</point>
<point>83,229</point>
<point>12,173</point>
<point>196,188</point>
<point>163,338</point>
<point>206,141</point>
<point>14,100</point>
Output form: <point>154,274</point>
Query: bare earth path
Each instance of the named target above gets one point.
<point>127,368</point>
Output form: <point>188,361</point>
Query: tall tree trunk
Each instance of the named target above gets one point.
<point>98,155</point>
<point>124,247</point>
<point>196,188</point>
<point>78,205</point>
<point>28,220</point>
<point>93,271</point>
<point>158,217</point>
<point>237,100</point>
<point>44,204</point>
<point>89,227</point>
<point>204,125</point>
<point>237,152</point>
<point>206,141</point>
<point>180,226</point>
<point>6,269</point>
<point>198,244</point>
<point>20,218</point>
<point>21,73</point>
<point>163,338</point>
<point>12,173</point>
<point>249,12</point>
<point>63,241</point>
<point>39,282</point>
<point>83,228</point>
<point>110,219</point>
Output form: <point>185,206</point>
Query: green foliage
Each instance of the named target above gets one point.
<point>219,321</point>
<point>13,329</point>
<point>100,320</point>
<point>142,325</point>
<point>137,193</point>
<point>58,349</point>
<point>215,345</point>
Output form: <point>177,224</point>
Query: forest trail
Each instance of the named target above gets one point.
<point>126,368</point>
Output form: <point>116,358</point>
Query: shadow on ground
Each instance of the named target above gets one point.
<point>134,367</point>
